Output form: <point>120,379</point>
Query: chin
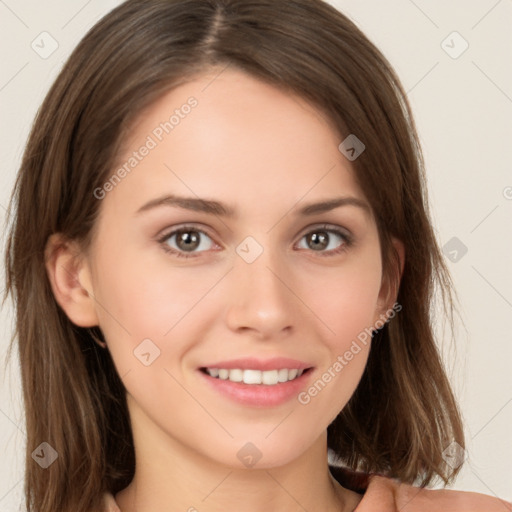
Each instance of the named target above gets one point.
<point>259,452</point>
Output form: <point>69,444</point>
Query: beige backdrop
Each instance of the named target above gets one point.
<point>454,59</point>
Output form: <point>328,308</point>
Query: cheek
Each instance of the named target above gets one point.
<point>146,298</point>
<point>346,305</point>
<point>345,299</point>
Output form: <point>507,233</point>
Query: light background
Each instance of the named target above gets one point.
<point>463,111</point>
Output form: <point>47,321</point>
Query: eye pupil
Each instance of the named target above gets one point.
<point>319,240</point>
<point>188,240</point>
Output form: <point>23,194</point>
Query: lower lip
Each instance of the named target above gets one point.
<point>258,395</point>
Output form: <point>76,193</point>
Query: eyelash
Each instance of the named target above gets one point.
<point>347,240</point>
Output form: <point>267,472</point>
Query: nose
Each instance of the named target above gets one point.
<point>261,299</point>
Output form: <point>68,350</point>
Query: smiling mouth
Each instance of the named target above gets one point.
<point>254,377</point>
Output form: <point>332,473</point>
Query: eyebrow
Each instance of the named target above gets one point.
<point>189,203</point>
<point>217,208</point>
<point>331,204</point>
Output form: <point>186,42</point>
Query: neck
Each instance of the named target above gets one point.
<point>171,476</point>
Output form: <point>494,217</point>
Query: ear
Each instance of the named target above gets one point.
<point>391,281</point>
<point>70,279</point>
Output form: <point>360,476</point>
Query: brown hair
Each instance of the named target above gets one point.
<point>403,413</point>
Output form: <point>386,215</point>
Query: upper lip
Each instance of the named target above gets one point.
<point>251,363</point>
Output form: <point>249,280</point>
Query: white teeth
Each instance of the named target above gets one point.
<point>268,377</point>
<point>282,375</point>
<point>252,377</point>
<point>236,375</point>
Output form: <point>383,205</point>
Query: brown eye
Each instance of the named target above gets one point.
<point>187,240</point>
<point>326,241</point>
<point>318,240</point>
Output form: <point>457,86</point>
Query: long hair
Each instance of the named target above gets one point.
<point>403,413</point>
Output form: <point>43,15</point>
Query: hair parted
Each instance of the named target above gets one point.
<point>403,413</point>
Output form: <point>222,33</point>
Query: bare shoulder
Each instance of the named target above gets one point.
<point>391,495</point>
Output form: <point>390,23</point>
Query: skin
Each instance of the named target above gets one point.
<point>265,154</point>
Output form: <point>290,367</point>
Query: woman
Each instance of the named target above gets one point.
<point>223,266</point>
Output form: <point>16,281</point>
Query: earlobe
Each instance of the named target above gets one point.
<point>70,280</point>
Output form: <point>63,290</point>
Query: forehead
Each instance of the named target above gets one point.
<point>233,137</point>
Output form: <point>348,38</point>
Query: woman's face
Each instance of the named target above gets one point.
<point>235,246</point>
